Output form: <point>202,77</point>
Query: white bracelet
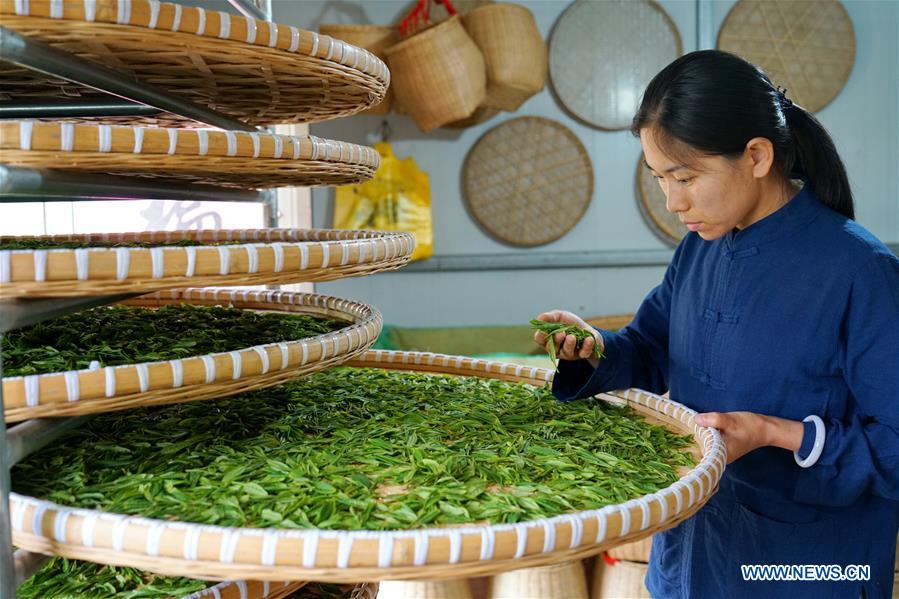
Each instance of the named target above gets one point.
<point>818,446</point>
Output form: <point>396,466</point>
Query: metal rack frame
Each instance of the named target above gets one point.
<point>23,185</point>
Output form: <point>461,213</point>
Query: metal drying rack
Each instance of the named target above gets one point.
<point>127,98</point>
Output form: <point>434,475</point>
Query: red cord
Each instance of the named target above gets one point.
<point>608,559</point>
<point>419,16</point>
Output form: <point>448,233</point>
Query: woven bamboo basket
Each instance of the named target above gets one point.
<point>241,589</point>
<point>637,551</point>
<point>515,55</point>
<point>224,158</point>
<point>375,39</point>
<point>365,590</point>
<point>258,72</point>
<point>203,551</point>
<point>456,588</point>
<point>438,74</point>
<point>260,256</point>
<point>559,581</point>
<point>624,579</point>
<point>208,376</point>
<point>481,115</point>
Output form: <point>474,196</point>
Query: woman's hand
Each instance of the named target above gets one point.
<point>744,431</point>
<point>566,345</point>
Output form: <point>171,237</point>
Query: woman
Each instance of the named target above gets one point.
<point>778,321</point>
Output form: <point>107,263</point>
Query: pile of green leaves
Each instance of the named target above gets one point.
<point>63,244</point>
<point>62,578</point>
<point>551,328</point>
<point>116,335</point>
<point>360,449</point>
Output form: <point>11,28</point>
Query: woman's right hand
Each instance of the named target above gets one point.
<point>566,344</point>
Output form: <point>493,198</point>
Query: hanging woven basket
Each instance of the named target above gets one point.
<point>438,74</point>
<point>515,55</point>
<point>197,550</point>
<point>232,257</point>
<point>255,71</point>
<point>197,377</point>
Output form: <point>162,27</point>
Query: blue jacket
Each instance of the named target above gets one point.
<point>798,314</point>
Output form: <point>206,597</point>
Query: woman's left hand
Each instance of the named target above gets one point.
<point>744,431</point>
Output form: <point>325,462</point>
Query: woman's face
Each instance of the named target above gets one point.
<point>713,195</point>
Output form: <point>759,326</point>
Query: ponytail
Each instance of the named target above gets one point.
<point>814,157</point>
<point>714,102</point>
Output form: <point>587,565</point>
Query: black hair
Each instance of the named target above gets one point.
<point>714,102</point>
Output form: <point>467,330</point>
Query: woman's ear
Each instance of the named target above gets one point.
<point>760,153</point>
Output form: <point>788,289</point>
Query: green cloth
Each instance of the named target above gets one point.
<point>460,341</point>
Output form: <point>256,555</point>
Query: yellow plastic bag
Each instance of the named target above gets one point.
<point>397,198</point>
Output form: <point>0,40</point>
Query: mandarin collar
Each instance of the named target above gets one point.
<point>790,218</point>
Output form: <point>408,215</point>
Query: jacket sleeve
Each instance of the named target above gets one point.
<point>636,356</point>
<point>862,455</point>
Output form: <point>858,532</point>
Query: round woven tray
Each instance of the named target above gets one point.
<point>603,54</point>
<point>652,202</point>
<point>224,158</point>
<point>178,548</point>
<point>258,72</point>
<point>261,256</point>
<point>209,376</point>
<point>528,181</point>
<point>244,589</point>
<point>807,47</point>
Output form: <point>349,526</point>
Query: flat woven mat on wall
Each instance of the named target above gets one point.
<point>603,54</point>
<point>528,181</point>
<point>808,47</point>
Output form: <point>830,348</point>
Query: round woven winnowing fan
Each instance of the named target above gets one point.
<point>226,158</point>
<point>651,199</point>
<point>175,547</point>
<point>528,181</point>
<point>808,47</point>
<point>603,54</point>
<point>256,71</point>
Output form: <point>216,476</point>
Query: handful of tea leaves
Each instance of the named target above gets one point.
<point>551,328</point>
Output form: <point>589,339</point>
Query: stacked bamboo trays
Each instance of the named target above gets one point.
<point>258,72</point>
<point>209,376</point>
<point>180,548</point>
<point>255,71</point>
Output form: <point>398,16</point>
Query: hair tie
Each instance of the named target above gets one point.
<point>785,102</point>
